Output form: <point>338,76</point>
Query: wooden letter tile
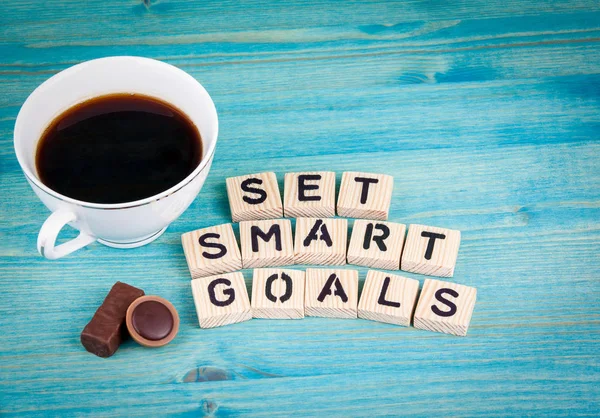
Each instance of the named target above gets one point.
<point>254,197</point>
<point>266,243</point>
<point>445,307</point>
<point>321,241</point>
<point>430,250</point>
<point>388,298</point>
<point>278,294</point>
<point>211,251</point>
<point>310,194</point>
<point>365,195</point>
<point>376,244</point>
<point>221,300</point>
<point>331,293</point>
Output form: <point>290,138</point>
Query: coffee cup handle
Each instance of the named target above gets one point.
<point>50,230</point>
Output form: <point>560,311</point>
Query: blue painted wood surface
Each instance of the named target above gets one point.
<point>487,113</point>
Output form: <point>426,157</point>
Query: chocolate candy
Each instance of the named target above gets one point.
<point>152,321</point>
<point>103,334</point>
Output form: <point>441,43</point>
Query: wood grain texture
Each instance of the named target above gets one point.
<point>266,243</point>
<point>365,195</point>
<point>195,253</point>
<point>231,304</point>
<point>318,195</point>
<point>485,112</point>
<point>331,293</point>
<point>285,306</point>
<point>384,242</point>
<point>445,307</point>
<point>321,241</point>
<point>399,290</point>
<point>258,199</point>
<point>434,253</point>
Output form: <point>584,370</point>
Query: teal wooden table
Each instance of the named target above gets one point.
<point>487,114</point>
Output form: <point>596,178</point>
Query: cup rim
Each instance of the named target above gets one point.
<point>206,158</point>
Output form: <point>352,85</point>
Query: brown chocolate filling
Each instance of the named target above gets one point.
<point>152,320</point>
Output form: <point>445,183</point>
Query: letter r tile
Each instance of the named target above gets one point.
<point>221,300</point>
<point>430,250</point>
<point>376,244</point>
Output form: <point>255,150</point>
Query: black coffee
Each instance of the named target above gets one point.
<point>118,148</point>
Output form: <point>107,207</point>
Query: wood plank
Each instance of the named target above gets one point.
<point>486,111</point>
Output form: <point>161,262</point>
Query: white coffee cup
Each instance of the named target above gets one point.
<point>122,225</point>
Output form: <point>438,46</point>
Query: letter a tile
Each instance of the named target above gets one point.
<point>310,194</point>
<point>211,251</point>
<point>388,298</point>
<point>365,195</point>
<point>278,294</point>
<point>430,250</point>
<point>266,243</point>
<point>331,293</point>
<point>321,241</point>
<point>376,244</point>
<point>221,300</point>
<point>254,197</point>
<point>445,307</point>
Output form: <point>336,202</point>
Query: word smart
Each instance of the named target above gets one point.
<point>322,241</point>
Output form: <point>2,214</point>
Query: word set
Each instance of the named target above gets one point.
<point>213,256</point>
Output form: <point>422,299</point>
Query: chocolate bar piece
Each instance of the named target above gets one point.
<point>103,334</point>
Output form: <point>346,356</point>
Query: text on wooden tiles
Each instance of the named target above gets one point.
<point>292,294</point>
